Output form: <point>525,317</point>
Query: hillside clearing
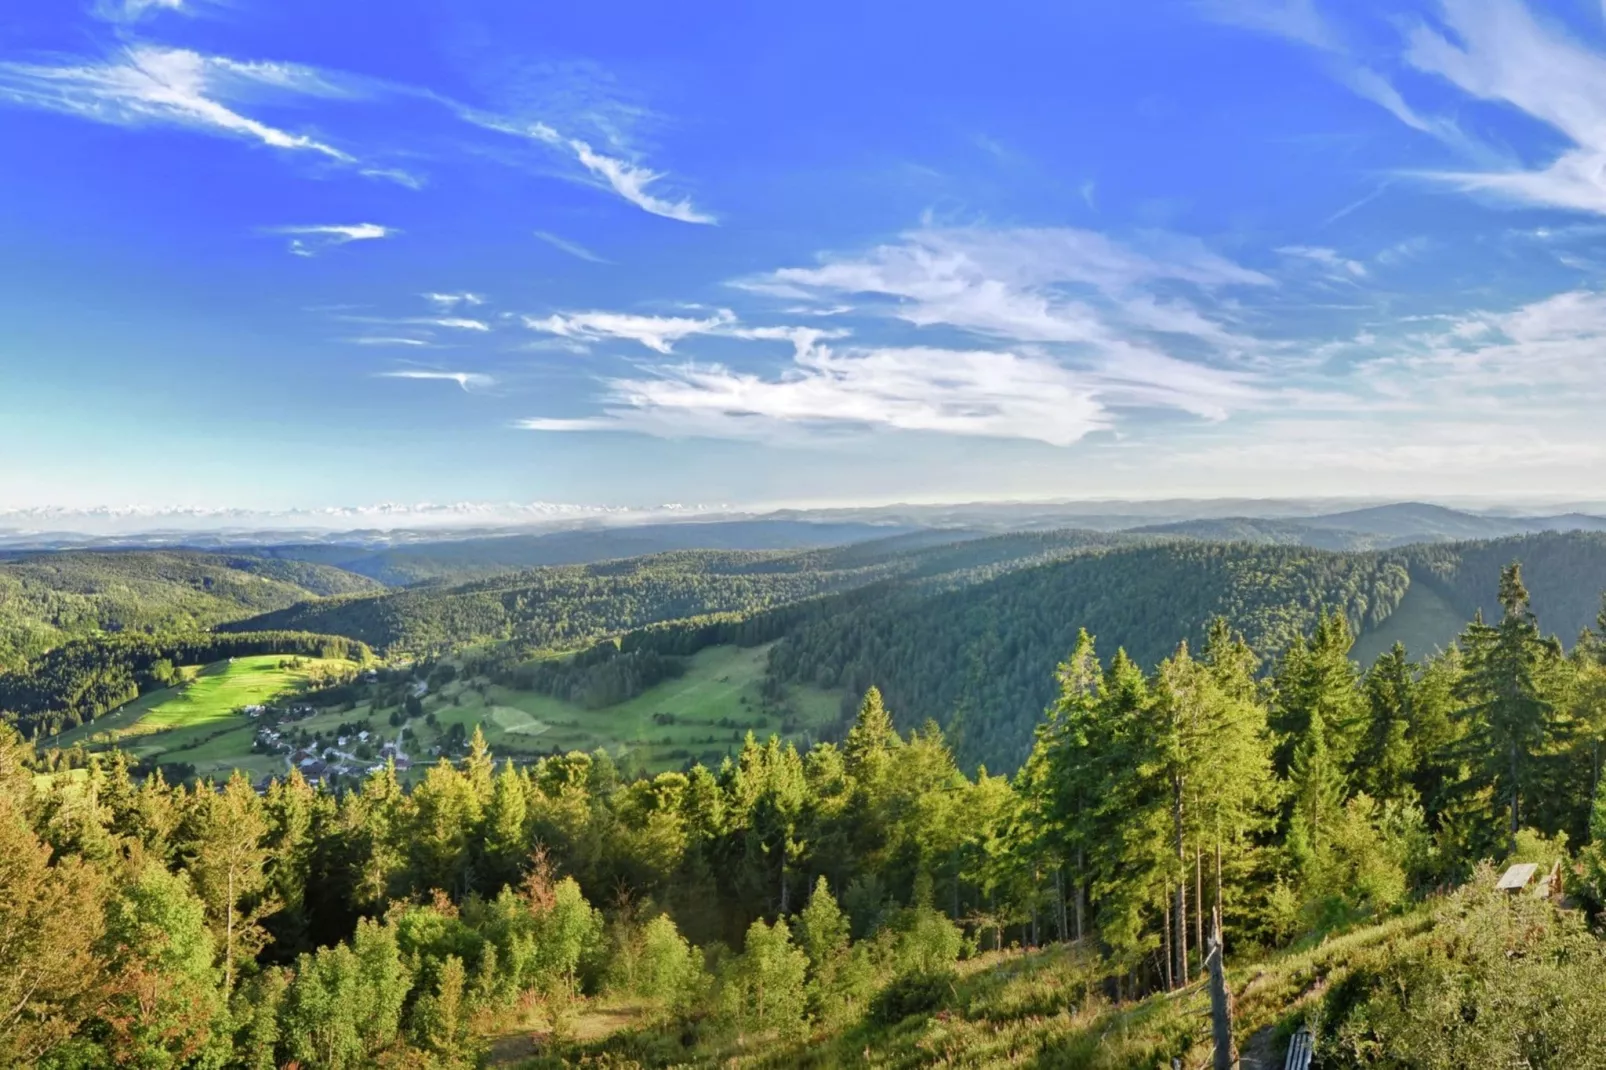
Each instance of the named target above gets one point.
<point>703,714</point>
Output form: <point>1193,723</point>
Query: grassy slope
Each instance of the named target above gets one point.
<point>717,681</point>
<point>1424,622</point>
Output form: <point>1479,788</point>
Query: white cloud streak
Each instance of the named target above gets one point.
<point>446,302</point>
<point>1302,22</point>
<point>151,84</point>
<point>574,249</point>
<point>1505,55</point>
<point>1337,267</point>
<point>629,180</point>
<point>1001,395</point>
<point>657,333</point>
<point>310,239</point>
<point>134,10</point>
<point>469,381</point>
<point>1048,285</point>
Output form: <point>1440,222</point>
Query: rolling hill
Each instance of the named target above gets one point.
<point>48,598</point>
<point>565,606</point>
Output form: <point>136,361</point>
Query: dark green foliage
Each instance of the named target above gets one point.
<point>921,992</point>
<point>990,650</point>
<point>1564,574</point>
<point>561,608</point>
<point>596,678</point>
<point>46,599</point>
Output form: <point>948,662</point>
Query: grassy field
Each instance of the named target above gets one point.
<point>702,715</point>
<point>1424,622</point>
<point>196,722</point>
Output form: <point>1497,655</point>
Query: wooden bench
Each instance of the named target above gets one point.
<point>1300,1050</point>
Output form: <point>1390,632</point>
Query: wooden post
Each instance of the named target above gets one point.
<point>1220,1000</point>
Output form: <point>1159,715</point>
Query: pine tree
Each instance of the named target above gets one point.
<point>1385,763</point>
<point>503,843</point>
<point>50,923</point>
<point>229,869</point>
<point>1508,715</point>
<point>1316,793</point>
<point>1316,678</point>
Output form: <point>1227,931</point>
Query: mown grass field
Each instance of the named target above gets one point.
<point>713,706</point>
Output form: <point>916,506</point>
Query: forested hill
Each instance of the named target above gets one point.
<point>558,608</point>
<point>1565,573</point>
<point>980,660</point>
<point>49,598</point>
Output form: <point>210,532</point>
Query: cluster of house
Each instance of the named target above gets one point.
<point>316,767</point>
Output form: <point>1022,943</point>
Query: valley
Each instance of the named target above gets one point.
<point>956,796</point>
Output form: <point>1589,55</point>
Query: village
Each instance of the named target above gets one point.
<point>325,758</point>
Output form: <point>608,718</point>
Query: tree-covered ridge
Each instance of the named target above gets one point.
<point>788,896</point>
<point>564,607</point>
<point>48,598</point>
<point>1564,572</point>
<point>980,659</point>
<point>82,679</point>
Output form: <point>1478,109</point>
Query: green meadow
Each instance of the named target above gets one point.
<point>702,715</point>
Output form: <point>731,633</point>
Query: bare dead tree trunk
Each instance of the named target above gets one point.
<point>1220,925</point>
<point>1182,885</point>
<point>1220,1000</point>
<point>1169,958</point>
<point>1080,885</point>
<point>1198,899</point>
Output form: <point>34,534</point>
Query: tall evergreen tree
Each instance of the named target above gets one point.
<point>1385,762</point>
<point>1508,716</point>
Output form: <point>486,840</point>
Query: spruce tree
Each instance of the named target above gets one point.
<point>1385,762</point>
<point>1508,716</point>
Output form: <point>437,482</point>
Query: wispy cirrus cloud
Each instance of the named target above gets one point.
<point>1002,395</point>
<point>574,249</point>
<point>311,239</point>
<point>1044,285</point>
<point>450,323</point>
<point>469,381</point>
<point>657,333</point>
<point>629,180</point>
<point>446,302</point>
<point>1502,53</point>
<point>134,10</point>
<point>1303,22</point>
<point>149,84</point>
<point>625,177</point>
<point>388,340</point>
<point>1337,266</point>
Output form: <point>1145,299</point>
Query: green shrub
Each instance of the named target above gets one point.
<point>910,994</point>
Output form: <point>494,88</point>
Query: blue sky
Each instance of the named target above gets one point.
<point>309,254</point>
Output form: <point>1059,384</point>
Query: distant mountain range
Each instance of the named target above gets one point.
<point>398,556</point>
<point>1378,527</point>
